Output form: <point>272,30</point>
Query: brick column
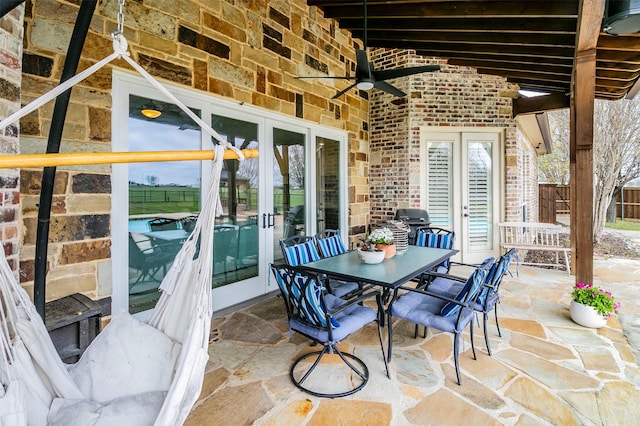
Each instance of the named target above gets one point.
<point>10,80</point>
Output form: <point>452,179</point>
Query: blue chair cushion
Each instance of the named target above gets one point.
<point>340,288</point>
<point>331,246</point>
<point>470,287</point>
<point>300,254</point>
<point>425,310</point>
<point>351,319</point>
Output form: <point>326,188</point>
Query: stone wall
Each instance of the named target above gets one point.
<point>11,30</point>
<point>246,51</point>
<point>452,97</point>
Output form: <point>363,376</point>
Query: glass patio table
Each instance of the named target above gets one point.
<point>390,274</point>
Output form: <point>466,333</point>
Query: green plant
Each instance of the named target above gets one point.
<point>599,299</point>
<point>381,236</point>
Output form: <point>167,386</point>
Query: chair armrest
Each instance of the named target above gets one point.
<point>354,301</point>
<point>436,295</point>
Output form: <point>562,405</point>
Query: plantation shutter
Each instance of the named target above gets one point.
<point>480,194</point>
<point>440,185</point>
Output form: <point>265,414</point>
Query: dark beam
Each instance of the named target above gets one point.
<point>7,6</point>
<point>450,9</point>
<point>444,49</point>
<point>490,38</point>
<point>583,86</point>
<point>446,24</point>
<point>543,103</point>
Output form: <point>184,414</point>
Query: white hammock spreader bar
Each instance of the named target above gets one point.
<point>90,158</point>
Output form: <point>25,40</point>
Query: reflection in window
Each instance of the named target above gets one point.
<point>164,197</point>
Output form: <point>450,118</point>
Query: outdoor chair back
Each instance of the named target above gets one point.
<point>447,314</point>
<point>330,243</point>
<point>326,319</point>
<point>429,236</point>
<point>299,249</point>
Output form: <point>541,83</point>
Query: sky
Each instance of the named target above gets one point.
<point>152,136</point>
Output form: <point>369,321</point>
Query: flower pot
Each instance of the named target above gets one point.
<point>586,316</point>
<point>389,250</point>
<point>371,257</point>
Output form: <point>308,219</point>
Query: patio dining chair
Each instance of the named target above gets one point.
<point>489,296</point>
<point>147,258</point>
<point>330,243</point>
<point>300,249</point>
<point>328,320</point>
<point>448,314</point>
<point>429,236</point>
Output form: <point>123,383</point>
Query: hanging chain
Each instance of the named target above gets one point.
<point>120,18</point>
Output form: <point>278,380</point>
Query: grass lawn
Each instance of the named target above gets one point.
<point>625,225</point>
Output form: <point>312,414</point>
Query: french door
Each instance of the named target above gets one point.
<point>461,172</point>
<point>296,185</point>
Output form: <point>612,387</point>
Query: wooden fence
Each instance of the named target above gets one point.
<point>550,196</point>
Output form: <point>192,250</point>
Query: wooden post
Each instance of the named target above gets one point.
<point>583,86</point>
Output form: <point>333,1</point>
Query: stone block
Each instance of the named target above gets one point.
<point>231,73</point>
<point>88,203</point>
<point>191,38</point>
<point>99,124</point>
<point>31,182</point>
<point>164,69</point>
<point>229,28</point>
<point>85,251</point>
<point>69,228</point>
<point>47,34</point>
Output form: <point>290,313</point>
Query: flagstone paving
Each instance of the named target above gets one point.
<point>545,369</point>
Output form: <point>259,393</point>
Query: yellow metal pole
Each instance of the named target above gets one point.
<point>88,158</point>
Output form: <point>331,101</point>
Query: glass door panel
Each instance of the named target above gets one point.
<point>236,238</point>
<point>164,197</point>
<point>328,183</point>
<point>289,174</point>
<point>479,195</point>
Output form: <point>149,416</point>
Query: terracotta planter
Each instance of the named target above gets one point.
<point>389,250</point>
<point>586,315</point>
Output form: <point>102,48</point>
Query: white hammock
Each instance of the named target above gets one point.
<point>132,373</point>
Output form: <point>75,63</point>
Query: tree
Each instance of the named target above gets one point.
<point>554,167</point>
<point>616,153</point>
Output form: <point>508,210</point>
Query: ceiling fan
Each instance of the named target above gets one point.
<point>367,77</point>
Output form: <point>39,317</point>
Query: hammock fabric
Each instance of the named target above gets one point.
<point>133,373</point>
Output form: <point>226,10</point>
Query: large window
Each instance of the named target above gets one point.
<point>295,185</point>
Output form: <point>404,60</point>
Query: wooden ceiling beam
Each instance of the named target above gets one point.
<point>443,49</point>
<point>516,61</point>
<point>450,9</point>
<point>503,38</point>
<point>492,25</point>
<point>537,104</point>
<point>513,66</point>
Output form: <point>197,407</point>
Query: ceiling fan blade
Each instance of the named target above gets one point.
<point>386,87</point>
<point>342,92</point>
<point>363,68</point>
<point>402,72</point>
<point>335,77</point>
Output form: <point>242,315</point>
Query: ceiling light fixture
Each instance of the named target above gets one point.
<point>365,85</point>
<point>150,111</point>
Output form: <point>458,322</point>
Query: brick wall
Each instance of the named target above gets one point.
<point>452,97</point>
<point>10,76</point>
<point>247,51</point>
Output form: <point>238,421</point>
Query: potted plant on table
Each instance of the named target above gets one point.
<point>591,306</point>
<point>383,239</point>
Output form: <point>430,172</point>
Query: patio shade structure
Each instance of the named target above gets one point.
<point>554,47</point>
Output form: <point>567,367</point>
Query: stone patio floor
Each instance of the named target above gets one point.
<point>545,369</point>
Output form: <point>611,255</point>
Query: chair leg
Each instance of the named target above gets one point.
<point>473,346</point>
<point>495,307</point>
<point>486,336</point>
<point>389,336</point>
<point>456,350</point>
<point>362,372</point>
<point>384,356</point>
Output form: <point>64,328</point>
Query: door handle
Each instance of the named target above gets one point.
<point>264,220</point>
<point>272,220</point>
